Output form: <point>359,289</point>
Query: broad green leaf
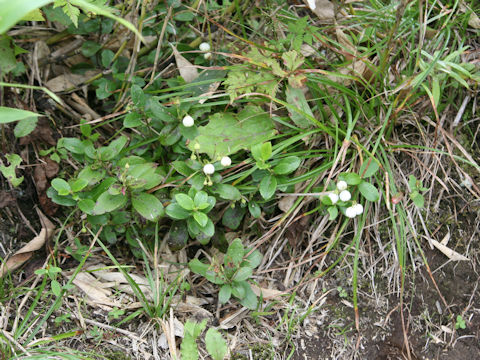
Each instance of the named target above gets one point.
<point>287,165</point>
<point>148,206</point>
<point>369,167</point>
<point>132,120</point>
<point>254,209</point>
<point>200,218</point>
<point>12,12</point>
<point>62,187</point>
<point>107,203</point>
<point>9,171</point>
<point>60,200</point>
<point>234,255</point>
<point>292,59</point>
<point>216,344</point>
<point>90,48</point>
<point>200,198</point>
<point>243,273</point>
<point>227,133</point>
<point>351,178</point>
<point>86,205</point>
<point>194,329</point>
<point>368,191</point>
<point>268,185</point>
<point>188,348</point>
<point>232,218</point>
<point>296,97</point>
<point>185,201</point>
<point>254,259</point>
<point>332,212</point>
<point>91,175</point>
<point>8,115</point>
<point>224,293</point>
<point>238,290</point>
<point>198,267</point>
<point>25,126</point>
<point>266,151</point>
<point>73,145</point>
<point>56,288</point>
<point>175,211</point>
<point>227,192</point>
<point>250,300</point>
<point>138,97</point>
<point>208,229</point>
<point>184,16</point>
<point>79,184</point>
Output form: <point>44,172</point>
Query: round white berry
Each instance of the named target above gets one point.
<point>345,195</point>
<point>188,121</point>
<point>333,198</point>
<point>204,46</point>
<point>226,161</point>
<point>209,169</point>
<point>350,212</point>
<point>342,185</point>
<point>207,55</point>
<point>358,208</point>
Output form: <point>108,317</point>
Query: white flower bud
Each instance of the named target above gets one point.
<point>209,169</point>
<point>204,46</point>
<point>207,55</point>
<point>333,198</point>
<point>188,121</point>
<point>342,185</point>
<point>226,161</point>
<point>358,208</point>
<point>350,212</point>
<point>345,195</point>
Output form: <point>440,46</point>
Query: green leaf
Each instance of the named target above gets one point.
<point>254,259</point>
<point>292,60</point>
<point>351,178</point>
<point>368,191</point>
<point>138,97</point>
<point>333,212</point>
<point>86,205</point>
<point>9,171</point>
<point>227,192</point>
<point>194,329</point>
<point>287,165</point>
<point>224,294</point>
<point>79,184</point>
<point>90,48</point>
<point>266,151</point>
<point>8,115</point>
<point>56,288</point>
<point>185,201</point>
<point>200,218</point>
<point>227,133</point>
<point>243,273</point>
<point>25,126</point>
<point>132,120</point>
<point>234,253</point>
<point>216,345</point>
<point>188,348</point>
<point>268,185</point>
<point>419,200</point>
<point>12,12</point>
<point>62,187</point>
<point>73,145</point>
<point>254,209</point>
<point>369,167</point>
<point>296,97</point>
<point>107,203</point>
<point>238,290</point>
<point>208,229</point>
<point>200,199</point>
<point>148,206</point>
<point>184,16</point>
<point>232,218</point>
<point>176,212</point>
<point>250,300</point>
<point>198,267</point>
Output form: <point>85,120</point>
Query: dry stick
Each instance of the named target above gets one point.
<point>13,341</point>
<point>160,41</point>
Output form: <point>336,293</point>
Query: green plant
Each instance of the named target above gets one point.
<point>232,274</point>
<point>416,189</point>
<point>460,323</point>
<point>9,171</point>
<point>52,272</point>
<point>214,342</point>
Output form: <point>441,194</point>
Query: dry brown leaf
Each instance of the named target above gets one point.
<point>451,254</point>
<point>322,8</point>
<point>267,293</point>
<point>26,252</point>
<point>6,198</point>
<point>187,70</point>
<point>66,81</point>
<point>286,202</point>
<point>473,20</point>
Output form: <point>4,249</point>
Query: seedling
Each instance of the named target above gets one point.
<point>416,189</point>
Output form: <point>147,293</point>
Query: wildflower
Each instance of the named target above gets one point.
<point>358,208</point>
<point>345,195</point>
<point>204,46</point>
<point>350,212</point>
<point>226,161</point>
<point>333,198</point>
<point>188,121</point>
<point>207,55</point>
<point>342,185</point>
<point>208,169</point>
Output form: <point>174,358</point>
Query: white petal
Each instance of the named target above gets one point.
<point>345,195</point>
<point>342,185</point>
<point>188,121</point>
<point>209,169</point>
